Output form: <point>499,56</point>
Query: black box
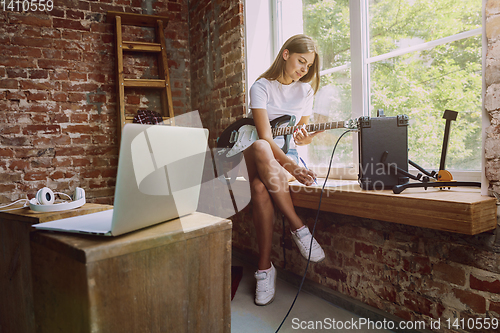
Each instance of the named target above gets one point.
<point>383,148</point>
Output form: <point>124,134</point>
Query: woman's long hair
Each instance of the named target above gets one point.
<point>296,44</point>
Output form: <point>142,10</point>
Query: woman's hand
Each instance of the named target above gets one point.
<point>303,175</point>
<point>302,137</point>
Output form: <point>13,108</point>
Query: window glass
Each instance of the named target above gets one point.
<point>426,83</point>
<point>327,22</point>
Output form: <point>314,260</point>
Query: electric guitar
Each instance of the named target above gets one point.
<point>242,133</point>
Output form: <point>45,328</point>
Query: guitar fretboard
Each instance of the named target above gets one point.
<point>309,127</point>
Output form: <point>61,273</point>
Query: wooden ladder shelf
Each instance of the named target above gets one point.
<point>158,47</point>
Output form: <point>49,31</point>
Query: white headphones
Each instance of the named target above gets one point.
<point>44,201</point>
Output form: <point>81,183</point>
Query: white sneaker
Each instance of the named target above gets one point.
<point>303,240</point>
<point>266,286</point>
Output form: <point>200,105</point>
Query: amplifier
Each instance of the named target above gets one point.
<point>383,151</point>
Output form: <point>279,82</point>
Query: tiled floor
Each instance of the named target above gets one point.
<point>308,310</point>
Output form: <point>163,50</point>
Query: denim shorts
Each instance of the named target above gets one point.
<point>294,155</point>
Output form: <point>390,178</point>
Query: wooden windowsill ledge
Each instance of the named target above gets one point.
<point>460,209</point>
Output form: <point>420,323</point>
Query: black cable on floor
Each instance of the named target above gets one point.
<point>283,240</point>
<point>314,229</point>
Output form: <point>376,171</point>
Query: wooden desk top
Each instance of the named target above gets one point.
<point>460,209</point>
<point>32,217</point>
<point>88,248</point>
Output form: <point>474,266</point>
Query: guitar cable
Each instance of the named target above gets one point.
<point>314,229</point>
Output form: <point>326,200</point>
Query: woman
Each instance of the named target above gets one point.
<point>283,89</point>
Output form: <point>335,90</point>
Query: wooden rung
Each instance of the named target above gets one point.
<point>144,83</point>
<point>129,119</point>
<point>141,46</point>
<point>136,19</point>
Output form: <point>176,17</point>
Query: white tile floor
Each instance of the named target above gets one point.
<point>248,317</point>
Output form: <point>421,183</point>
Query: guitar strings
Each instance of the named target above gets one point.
<point>314,229</point>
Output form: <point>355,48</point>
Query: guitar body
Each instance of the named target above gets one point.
<point>242,134</point>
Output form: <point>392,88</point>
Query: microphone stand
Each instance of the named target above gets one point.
<point>443,179</point>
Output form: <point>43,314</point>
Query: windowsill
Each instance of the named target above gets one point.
<point>461,209</point>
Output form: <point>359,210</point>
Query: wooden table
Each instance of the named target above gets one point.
<point>171,277</point>
<point>16,295</point>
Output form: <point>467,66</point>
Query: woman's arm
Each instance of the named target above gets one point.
<point>263,127</point>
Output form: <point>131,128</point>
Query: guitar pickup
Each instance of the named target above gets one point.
<point>234,137</point>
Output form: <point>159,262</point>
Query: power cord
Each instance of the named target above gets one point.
<point>314,229</point>
<point>13,203</point>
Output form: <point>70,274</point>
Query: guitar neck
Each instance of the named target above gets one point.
<point>309,127</point>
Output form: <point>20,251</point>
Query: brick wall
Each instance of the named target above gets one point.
<point>57,86</point>
<point>217,62</point>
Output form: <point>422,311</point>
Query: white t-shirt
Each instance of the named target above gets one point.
<point>278,99</point>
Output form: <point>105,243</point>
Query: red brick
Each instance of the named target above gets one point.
<point>35,175</point>
<point>17,165</point>
<point>20,19</point>
<point>495,307</point>
<point>15,141</point>
<point>70,151</point>
<point>9,61</point>
<point>39,85</point>
<point>72,55</point>
<point>57,175</point>
<point>70,24</point>
<point>76,97</point>
<point>9,84</point>
<point>474,301</point>
<point>6,152</point>
<point>15,95</point>
<point>79,87</point>
<point>31,52</point>
<point>42,142</point>
<point>76,76</point>
<point>39,96</point>
<point>10,129</point>
<point>417,264</point>
<point>417,303</point>
<point>79,117</point>
<point>55,64</point>
<point>31,32</point>
<point>485,285</point>
<point>84,161</point>
<point>16,73</point>
<point>61,162</point>
<point>91,173</point>
<point>52,54</point>
<point>39,74</point>
<point>73,35</point>
<point>10,50</point>
<point>28,41</point>
<point>82,140</point>
<point>41,129</point>
<point>83,129</point>
<point>59,97</point>
<point>74,14</point>
<point>60,75</point>
<point>61,140</point>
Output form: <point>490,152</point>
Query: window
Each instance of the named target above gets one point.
<point>413,57</point>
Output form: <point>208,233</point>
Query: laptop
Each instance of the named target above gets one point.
<point>159,178</point>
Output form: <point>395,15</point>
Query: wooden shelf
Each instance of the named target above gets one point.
<point>461,209</point>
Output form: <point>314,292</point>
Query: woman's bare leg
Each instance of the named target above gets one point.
<point>268,180</point>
